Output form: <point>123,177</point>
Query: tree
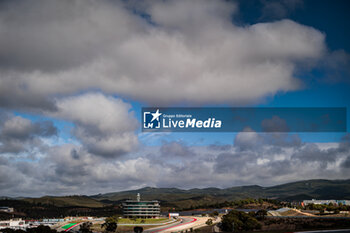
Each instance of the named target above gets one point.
<point>240,221</point>
<point>209,222</point>
<point>8,230</point>
<point>110,224</point>
<point>260,215</point>
<point>85,227</point>
<point>41,229</point>
<point>138,229</point>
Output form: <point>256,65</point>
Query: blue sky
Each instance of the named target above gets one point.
<point>73,82</point>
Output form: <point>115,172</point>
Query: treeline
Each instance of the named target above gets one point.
<point>298,224</point>
<point>27,210</point>
<point>236,204</point>
<point>241,221</point>
<point>329,207</point>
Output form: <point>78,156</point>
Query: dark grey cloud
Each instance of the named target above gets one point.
<point>170,149</point>
<point>24,100</point>
<point>282,139</point>
<point>58,35</point>
<point>67,169</point>
<point>266,157</point>
<point>335,67</point>
<point>9,178</point>
<point>14,94</point>
<point>218,147</point>
<point>232,162</point>
<point>346,163</point>
<point>250,140</point>
<point>278,9</point>
<point>312,153</point>
<point>275,124</point>
<point>18,134</point>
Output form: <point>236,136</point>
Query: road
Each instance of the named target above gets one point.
<point>184,223</point>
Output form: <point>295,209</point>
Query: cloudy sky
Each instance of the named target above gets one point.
<point>74,75</point>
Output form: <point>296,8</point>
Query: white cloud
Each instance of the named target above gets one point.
<point>191,52</point>
<point>103,124</point>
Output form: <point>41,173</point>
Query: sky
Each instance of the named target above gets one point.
<point>74,75</point>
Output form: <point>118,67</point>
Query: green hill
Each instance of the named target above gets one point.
<point>81,201</point>
<point>173,197</point>
<point>318,189</point>
<point>296,191</point>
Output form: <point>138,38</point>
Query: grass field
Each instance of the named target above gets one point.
<point>68,225</point>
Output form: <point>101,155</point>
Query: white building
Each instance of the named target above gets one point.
<point>6,209</point>
<point>16,223</point>
<point>141,209</point>
<point>326,202</point>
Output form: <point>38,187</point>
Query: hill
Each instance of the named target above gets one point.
<point>296,191</point>
<point>174,197</point>
<point>318,189</point>
<point>81,201</point>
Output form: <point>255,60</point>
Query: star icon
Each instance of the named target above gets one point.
<point>156,115</point>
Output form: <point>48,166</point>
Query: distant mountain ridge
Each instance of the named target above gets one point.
<point>295,191</point>
<point>81,201</point>
<point>174,197</point>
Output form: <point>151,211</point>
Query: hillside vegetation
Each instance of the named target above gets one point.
<point>296,191</point>
<point>81,201</point>
<point>179,198</point>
